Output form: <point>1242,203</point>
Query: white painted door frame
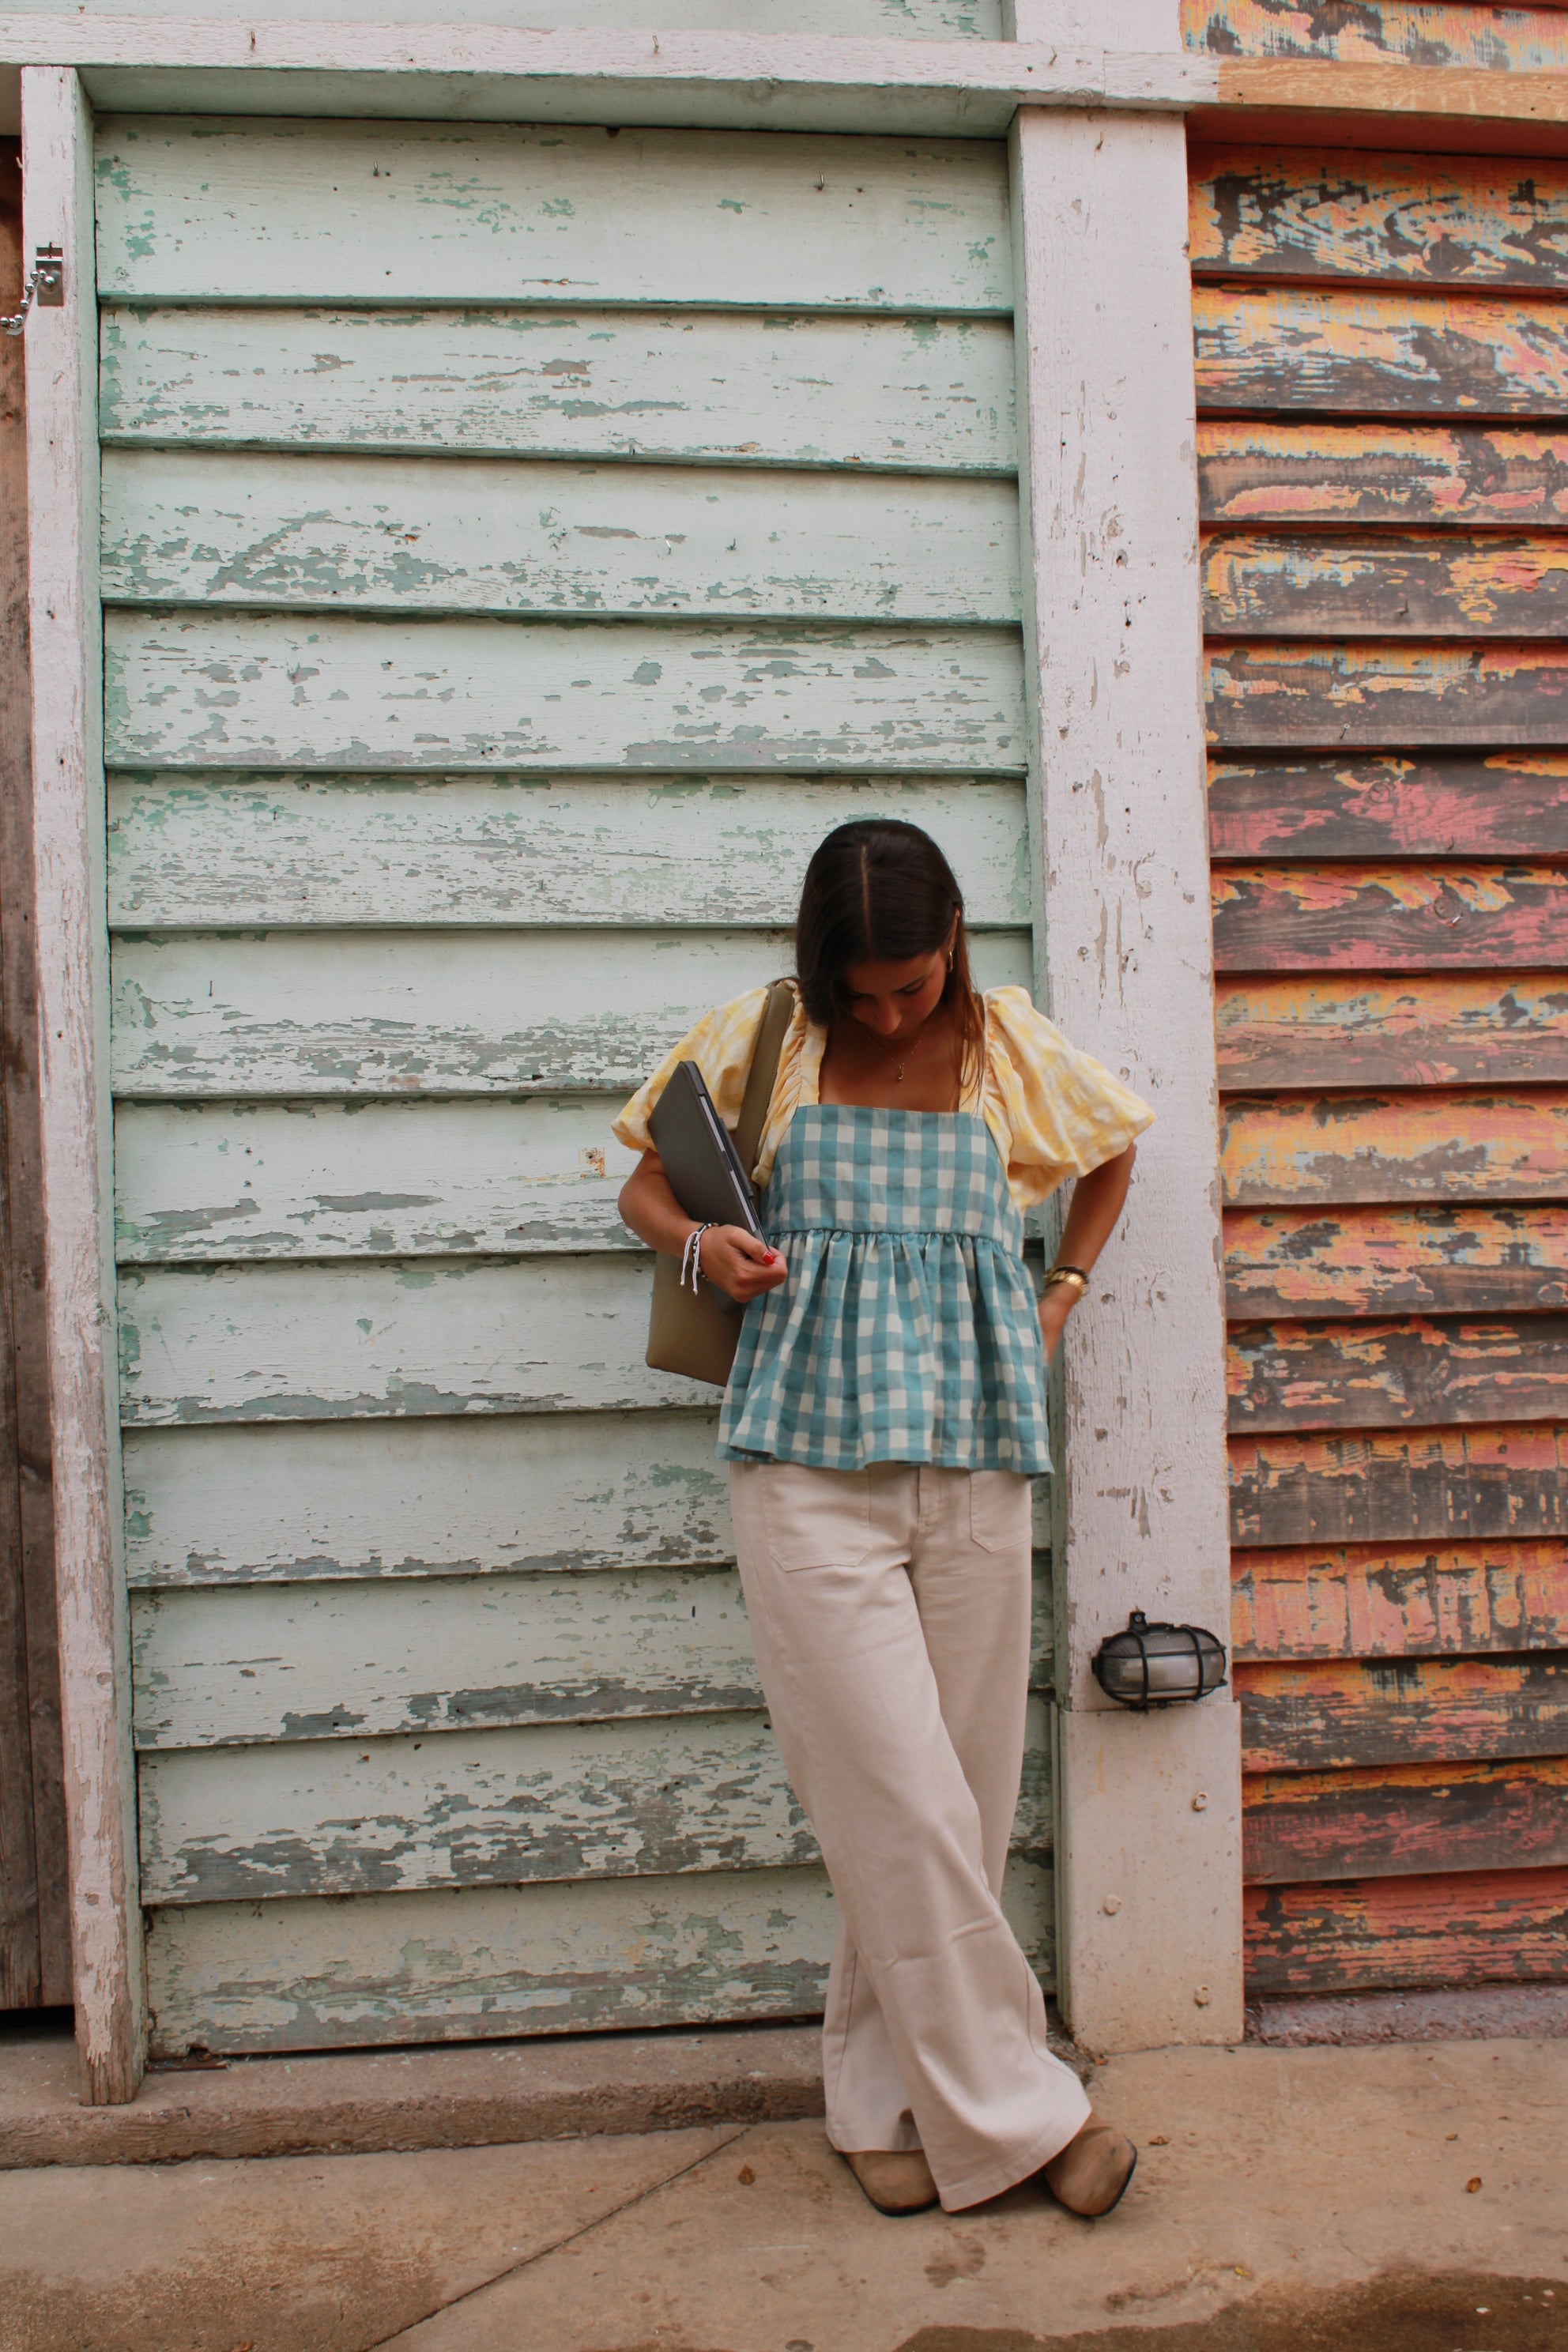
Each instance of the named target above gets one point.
<point>1148,1850</point>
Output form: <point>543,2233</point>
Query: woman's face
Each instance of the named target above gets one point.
<point>892,999</point>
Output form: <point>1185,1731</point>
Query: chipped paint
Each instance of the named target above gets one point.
<point>1398,1600</point>
<point>1404,1818</point>
<point>1282,474</point>
<point>1380,353</point>
<point>1304,213</point>
<point>1428,1030</point>
<point>1387,693</point>
<point>1416,584</point>
<point>1312,917</point>
<point>1491,1482</point>
<point>1383,1933</point>
<point>1369,1261</point>
<point>1505,804</point>
<point>1329,1148</point>
<point>1370,1375</point>
<point>1323,1715</point>
<point>1377,32</point>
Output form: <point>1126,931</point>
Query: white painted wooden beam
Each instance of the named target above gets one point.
<point>1148,1877</point>
<point>497,73</point>
<point>73,1015</point>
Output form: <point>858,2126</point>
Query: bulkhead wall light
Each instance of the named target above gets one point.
<point>1157,1665</point>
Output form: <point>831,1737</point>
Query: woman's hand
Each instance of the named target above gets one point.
<point>1055,1308</point>
<point>737,1263</point>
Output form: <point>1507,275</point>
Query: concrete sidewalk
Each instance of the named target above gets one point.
<point>1389,2200</point>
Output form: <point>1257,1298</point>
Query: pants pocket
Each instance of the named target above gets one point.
<point>999,1510</point>
<point>815,1518</point>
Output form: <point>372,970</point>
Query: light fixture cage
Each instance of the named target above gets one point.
<point>1155,1665</point>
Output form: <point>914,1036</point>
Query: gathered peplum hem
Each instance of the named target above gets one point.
<point>907,1330</point>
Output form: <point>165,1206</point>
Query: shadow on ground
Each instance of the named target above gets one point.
<point>1402,2311</point>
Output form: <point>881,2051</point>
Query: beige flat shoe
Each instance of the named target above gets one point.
<point>1093,2171</point>
<point>897,2181</point>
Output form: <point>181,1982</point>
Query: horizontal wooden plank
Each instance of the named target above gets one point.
<point>1324,1716</point>
<point>266,1661</point>
<point>241,691</point>
<point>1401,1820</point>
<point>200,1183</point>
<point>1405,1820</point>
<point>926,395</point>
<point>1429,1029</point>
<point>403,535</point>
<point>1399,1599</point>
<point>1508,805</point>
<point>465,1808</point>
<point>1394,1485</point>
<point>1396,584</point>
<point>1380,354</point>
<point>343,1661</point>
<point>222,1181</point>
<point>1387,693</point>
<point>929,20</point>
<point>631,1797</point>
<point>1370,1375</point>
<point>475,1963</point>
<point>228,1504</point>
<point>205,852</point>
<point>1405,917</point>
<point>1384,1934</point>
<point>1391,219</point>
<point>1291,475</point>
<point>1376,32</point>
<point>1341,1149</point>
<point>371,1339</point>
<point>468,1012</point>
<point>1365,1261</point>
<point>289,210</point>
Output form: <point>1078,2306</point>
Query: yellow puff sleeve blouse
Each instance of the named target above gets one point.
<point>1054,1112</point>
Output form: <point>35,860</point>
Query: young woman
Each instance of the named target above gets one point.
<point>883,1420</point>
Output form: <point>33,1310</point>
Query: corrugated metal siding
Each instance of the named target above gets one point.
<point>1382,381</point>
<point>519,548</point>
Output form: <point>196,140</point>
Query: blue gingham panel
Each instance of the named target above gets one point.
<point>907,1330</point>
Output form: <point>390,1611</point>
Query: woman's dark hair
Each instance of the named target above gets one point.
<point>879,891</point>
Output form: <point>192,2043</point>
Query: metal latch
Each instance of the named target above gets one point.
<point>46,287</point>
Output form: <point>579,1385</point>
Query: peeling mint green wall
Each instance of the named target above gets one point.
<point>520,547</point>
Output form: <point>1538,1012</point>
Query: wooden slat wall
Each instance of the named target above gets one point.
<point>520,548</point>
<point>1389,825</point>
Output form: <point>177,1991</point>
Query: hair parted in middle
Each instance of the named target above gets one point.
<point>880,891</point>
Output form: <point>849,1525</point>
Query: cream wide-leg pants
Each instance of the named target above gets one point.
<point>890,1609</point>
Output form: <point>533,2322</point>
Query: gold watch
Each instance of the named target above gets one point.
<point>1073,1274</point>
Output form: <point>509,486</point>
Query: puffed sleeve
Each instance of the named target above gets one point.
<point>1055,1112</point>
<point>722,1046</point>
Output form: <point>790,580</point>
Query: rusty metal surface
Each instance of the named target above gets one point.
<point>1430,1029</point>
<point>1399,1599</point>
<point>1300,214</point>
<point>1388,1485</point>
<point>1349,1262</point>
<point>1393,1820</point>
<point>1436,583</point>
<point>1426,1143</point>
<point>1267,471</point>
<point>1499,805</point>
<point>1375,1375</point>
<point>1377,1934</point>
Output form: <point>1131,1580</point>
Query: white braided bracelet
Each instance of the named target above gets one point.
<point>691,1255</point>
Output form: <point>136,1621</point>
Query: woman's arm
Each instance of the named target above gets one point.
<point>1097,1203</point>
<point>728,1254</point>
